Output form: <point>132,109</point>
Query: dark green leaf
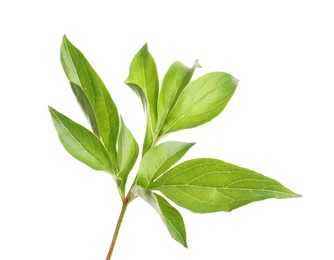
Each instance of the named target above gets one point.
<point>209,185</point>
<point>169,215</point>
<point>200,101</point>
<point>127,153</point>
<point>159,159</point>
<point>81,143</point>
<point>176,78</point>
<point>81,74</point>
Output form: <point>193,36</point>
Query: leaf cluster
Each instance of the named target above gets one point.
<point>200,185</point>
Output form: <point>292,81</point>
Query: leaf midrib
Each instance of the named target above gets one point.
<point>174,101</point>
<point>79,59</point>
<point>162,164</point>
<point>191,107</point>
<point>93,155</point>
<point>218,189</point>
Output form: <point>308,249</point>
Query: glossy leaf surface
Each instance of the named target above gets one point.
<point>80,72</point>
<point>209,185</point>
<point>127,153</point>
<point>176,78</point>
<point>159,159</point>
<point>200,101</point>
<point>81,143</point>
<point>169,215</point>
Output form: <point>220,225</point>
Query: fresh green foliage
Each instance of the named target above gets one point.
<point>97,103</point>
<point>209,185</point>
<point>200,101</point>
<point>143,79</point>
<point>159,159</point>
<point>177,77</point>
<point>127,154</point>
<point>81,143</point>
<point>201,185</point>
<point>169,215</point>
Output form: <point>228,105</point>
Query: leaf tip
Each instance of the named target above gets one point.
<point>290,194</point>
<point>296,195</point>
<point>197,65</point>
<point>192,144</point>
<point>50,109</point>
<point>65,39</point>
<point>144,49</point>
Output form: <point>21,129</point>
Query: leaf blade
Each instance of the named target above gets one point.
<point>128,151</point>
<point>159,159</point>
<point>79,71</point>
<point>210,185</point>
<point>200,101</point>
<point>175,80</point>
<point>86,107</point>
<point>149,138</point>
<point>80,142</point>
<point>143,79</point>
<point>169,215</point>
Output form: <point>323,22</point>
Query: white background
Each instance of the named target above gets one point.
<point>279,123</point>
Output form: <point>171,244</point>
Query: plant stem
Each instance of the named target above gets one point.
<point>119,223</point>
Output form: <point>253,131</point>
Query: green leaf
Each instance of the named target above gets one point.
<point>149,140</point>
<point>81,143</point>
<point>159,159</point>
<point>210,185</point>
<point>200,101</point>
<point>169,215</point>
<point>81,74</point>
<point>176,78</point>
<point>127,153</point>
<point>86,107</point>
<point>143,79</point>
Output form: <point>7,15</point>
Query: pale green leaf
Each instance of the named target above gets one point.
<point>209,185</point>
<point>127,153</point>
<point>80,72</point>
<point>81,143</point>
<point>176,78</point>
<point>200,101</point>
<point>169,215</point>
<point>159,159</point>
